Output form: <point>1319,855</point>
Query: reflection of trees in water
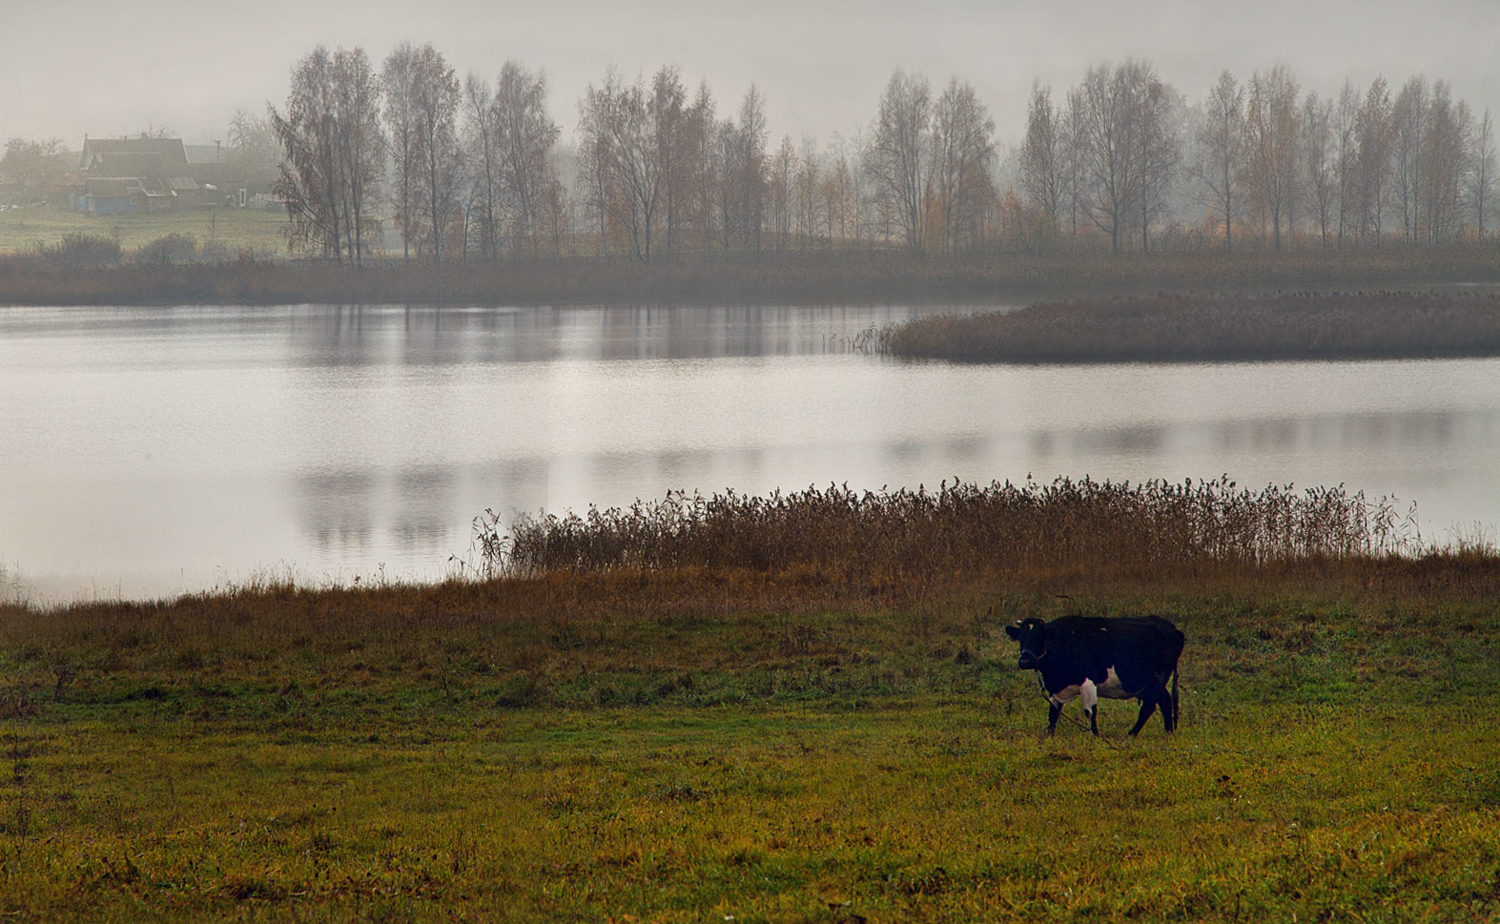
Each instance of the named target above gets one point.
<point>1418,429</point>
<point>361,336</point>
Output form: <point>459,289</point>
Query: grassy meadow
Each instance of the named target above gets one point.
<point>255,231</point>
<point>766,739</point>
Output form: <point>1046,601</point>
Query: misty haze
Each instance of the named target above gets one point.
<point>692,462</point>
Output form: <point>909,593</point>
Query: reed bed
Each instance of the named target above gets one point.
<point>59,276</point>
<point>1196,329</point>
<point>965,531</point>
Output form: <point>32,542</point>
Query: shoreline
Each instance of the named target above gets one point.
<point>862,277</point>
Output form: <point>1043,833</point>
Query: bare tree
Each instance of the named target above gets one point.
<point>1272,135</point>
<point>750,167</point>
<point>1157,152</point>
<point>963,151</point>
<point>1126,150</point>
<point>1346,155</point>
<point>1074,157</point>
<point>1482,174</point>
<point>841,206</point>
<point>253,152</point>
<point>1444,165</point>
<point>811,205</point>
<point>1408,123</point>
<point>1374,157</point>
<point>524,135</point>
<point>1319,161</point>
<point>596,173</point>
<point>782,176</point>
<point>697,174</point>
<point>899,160</point>
<point>1220,162</point>
<point>672,122</point>
<point>32,168</point>
<point>435,96</point>
<point>332,152</point>
<point>398,84</point>
<point>1044,175</point>
<point>620,123</point>
<point>483,162</point>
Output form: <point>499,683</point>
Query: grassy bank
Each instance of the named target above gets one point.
<point>811,735</point>
<point>839,277</point>
<point>24,230</point>
<point>1209,329</point>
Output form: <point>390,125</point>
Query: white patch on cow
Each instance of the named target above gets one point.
<point>1066,694</point>
<point>1089,695</point>
<point>1111,687</point>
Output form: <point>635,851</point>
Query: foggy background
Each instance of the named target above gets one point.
<point>111,69</point>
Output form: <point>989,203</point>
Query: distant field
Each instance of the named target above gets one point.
<point>235,229</point>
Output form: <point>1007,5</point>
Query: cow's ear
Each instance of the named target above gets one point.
<point>1013,631</point>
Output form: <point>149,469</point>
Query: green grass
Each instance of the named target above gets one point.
<point>252,230</point>
<point>697,745</point>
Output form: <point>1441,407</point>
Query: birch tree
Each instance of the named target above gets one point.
<point>1482,173</point>
<point>963,150</point>
<point>1216,171</point>
<point>1044,176</point>
<point>332,153</point>
<point>1272,135</point>
<point>900,158</point>
<point>524,134</point>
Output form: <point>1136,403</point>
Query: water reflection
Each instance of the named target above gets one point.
<point>204,445</point>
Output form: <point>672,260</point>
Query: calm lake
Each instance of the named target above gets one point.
<point>150,452</point>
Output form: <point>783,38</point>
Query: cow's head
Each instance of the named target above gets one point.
<point>1032,634</point>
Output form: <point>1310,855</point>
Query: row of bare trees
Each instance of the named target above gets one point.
<point>464,167</point>
<point>1259,156</point>
<point>471,168</point>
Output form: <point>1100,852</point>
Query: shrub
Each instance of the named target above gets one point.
<point>81,250</point>
<point>169,248</point>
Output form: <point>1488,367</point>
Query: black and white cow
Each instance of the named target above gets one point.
<point>1090,656</point>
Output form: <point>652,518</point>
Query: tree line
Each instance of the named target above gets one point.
<point>476,169</point>
<point>1260,157</point>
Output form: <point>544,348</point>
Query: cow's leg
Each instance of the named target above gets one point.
<point>1168,710</point>
<point>1148,706</point>
<point>1053,711</point>
<point>1089,697</point>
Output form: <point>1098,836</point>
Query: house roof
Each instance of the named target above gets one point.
<point>144,163</point>
<point>202,153</point>
<point>134,156</point>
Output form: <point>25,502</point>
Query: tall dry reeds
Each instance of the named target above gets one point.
<point>963,531</point>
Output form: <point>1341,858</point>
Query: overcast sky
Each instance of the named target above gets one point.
<point>107,67</point>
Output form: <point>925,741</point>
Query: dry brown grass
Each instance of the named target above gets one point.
<point>1226,328</point>
<point>1153,530</point>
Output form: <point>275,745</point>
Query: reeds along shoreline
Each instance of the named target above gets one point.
<point>1198,329</point>
<point>966,531</point>
<point>813,277</point>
